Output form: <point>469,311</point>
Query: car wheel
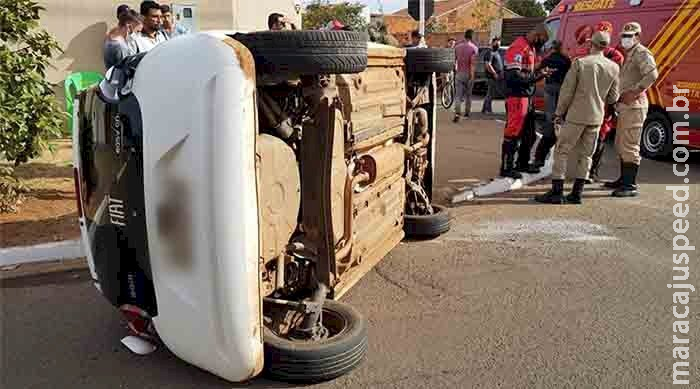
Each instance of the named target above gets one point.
<point>307,52</point>
<point>657,136</point>
<point>430,60</point>
<point>427,226</point>
<point>344,348</point>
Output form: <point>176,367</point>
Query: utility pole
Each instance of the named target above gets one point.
<point>421,10</point>
<point>422,24</point>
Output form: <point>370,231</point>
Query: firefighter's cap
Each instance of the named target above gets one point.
<point>631,28</point>
<point>601,39</point>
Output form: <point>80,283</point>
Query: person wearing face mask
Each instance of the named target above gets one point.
<point>638,73</point>
<point>616,56</point>
<point>170,27</point>
<point>494,72</point>
<point>560,63</point>
<point>115,46</point>
<point>520,77</point>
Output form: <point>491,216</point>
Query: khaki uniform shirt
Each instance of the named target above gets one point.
<point>638,72</point>
<point>591,83</point>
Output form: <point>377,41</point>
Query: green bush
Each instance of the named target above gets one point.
<point>29,112</point>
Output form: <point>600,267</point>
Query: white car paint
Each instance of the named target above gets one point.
<point>199,122</point>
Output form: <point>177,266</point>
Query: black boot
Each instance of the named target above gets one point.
<point>508,150</point>
<point>617,183</point>
<point>575,196</point>
<point>629,182</point>
<point>543,149</point>
<point>597,158</point>
<point>554,196</point>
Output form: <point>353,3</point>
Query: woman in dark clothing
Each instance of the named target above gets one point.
<point>560,64</point>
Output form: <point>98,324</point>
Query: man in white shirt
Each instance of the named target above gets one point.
<point>170,27</point>
<point>151,34</point>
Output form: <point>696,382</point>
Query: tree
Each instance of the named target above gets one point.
<point>29,113</point>
<point>378,33</point>
<point>527,8</point>
<point>549,5</point>
<point>433,25</point>
<point>485,15</point>
<point>320,12</point>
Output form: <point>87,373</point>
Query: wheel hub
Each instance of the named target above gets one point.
<point>655,137</point>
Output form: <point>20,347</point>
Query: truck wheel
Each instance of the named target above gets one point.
<point>427,226</point>
<point>343,350</point>
<point>307,52</point>
<point>430,60</point>
<point>657,136</point>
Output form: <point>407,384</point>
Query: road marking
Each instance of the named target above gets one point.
<point>529,230</point>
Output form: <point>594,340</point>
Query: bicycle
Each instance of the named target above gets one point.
<point>448,91</point>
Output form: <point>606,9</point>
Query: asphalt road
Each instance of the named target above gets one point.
<point>516,295</point>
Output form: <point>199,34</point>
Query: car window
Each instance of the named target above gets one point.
<point>552,30</point>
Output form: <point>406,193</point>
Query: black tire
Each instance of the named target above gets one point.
<point>657,136</point>
<point>298,361</point>
<point>447,96</point>
<point>307,52</point>
<point>430,60</point>
<point>427,226</point>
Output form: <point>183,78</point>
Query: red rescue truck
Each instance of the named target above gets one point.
<point>671,30</point>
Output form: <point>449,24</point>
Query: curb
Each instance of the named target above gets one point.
<point>13,272</point>
<point>47,258</point>
<point>46,252</point>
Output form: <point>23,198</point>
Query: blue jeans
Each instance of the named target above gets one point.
<point>494,86</point>
<point>463,88</point>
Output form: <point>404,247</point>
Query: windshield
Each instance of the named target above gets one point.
<point>552,30</point>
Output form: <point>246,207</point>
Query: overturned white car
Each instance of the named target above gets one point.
<point>233,187</point>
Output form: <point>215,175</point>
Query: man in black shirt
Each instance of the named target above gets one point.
<point>493,64</point>
<point>560,63</point>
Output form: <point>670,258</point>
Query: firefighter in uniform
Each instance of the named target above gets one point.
<point>616,56</point>
<point>590,85</point>
<point>520,77</point>
<point>638,73</point>
<point>548,140</point>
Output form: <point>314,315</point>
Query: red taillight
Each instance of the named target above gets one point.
<point>78,195</point>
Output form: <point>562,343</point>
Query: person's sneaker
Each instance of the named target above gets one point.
<point>466,115</point>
